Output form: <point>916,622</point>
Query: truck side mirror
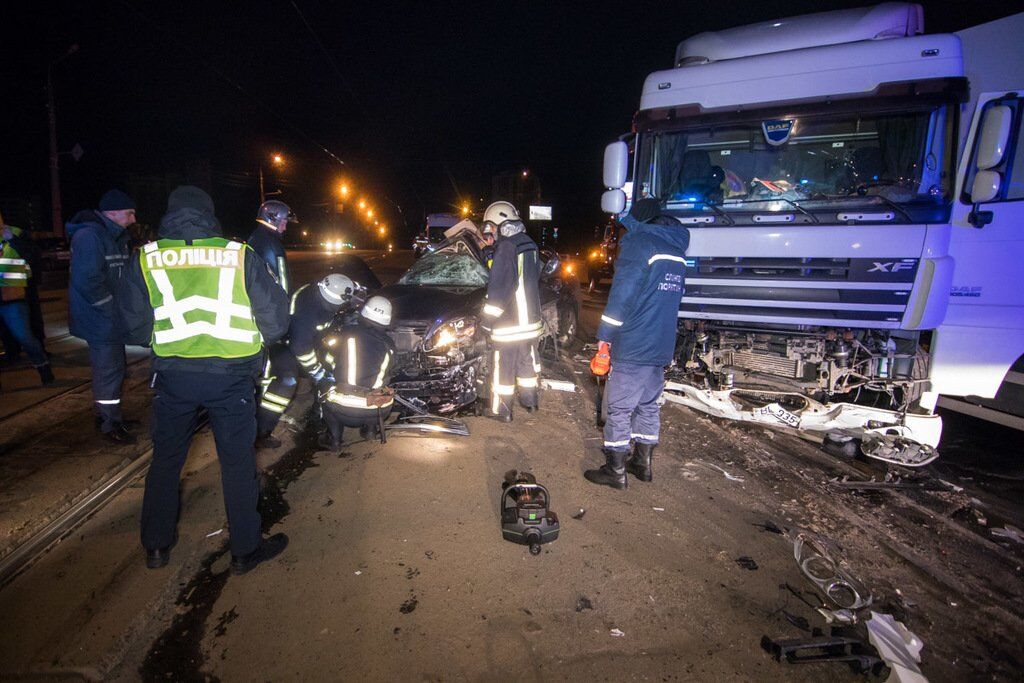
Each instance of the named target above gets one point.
<point>613,202</point>
<point>993,137</point>
<point>616,165</point>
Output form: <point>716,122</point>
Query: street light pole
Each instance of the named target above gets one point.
<point>51,111</point>
<point>259,173</point>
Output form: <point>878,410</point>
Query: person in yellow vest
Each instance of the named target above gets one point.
<point>15,274</point>
<point>207,306</point>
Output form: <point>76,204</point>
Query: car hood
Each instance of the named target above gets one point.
<point>422,303</point>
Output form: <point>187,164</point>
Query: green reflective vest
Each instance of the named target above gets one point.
<point>200,306</point>
<point>14,270</point>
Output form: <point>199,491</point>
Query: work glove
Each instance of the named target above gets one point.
<point>644,210</point>
<point>324,384</point>
<point>601,363</point>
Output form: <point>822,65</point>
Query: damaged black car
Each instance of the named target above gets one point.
<point>442,362</point>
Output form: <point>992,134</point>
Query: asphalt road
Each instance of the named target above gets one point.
<point>397,569</point>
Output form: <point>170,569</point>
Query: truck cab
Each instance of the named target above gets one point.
<point>814,162</point>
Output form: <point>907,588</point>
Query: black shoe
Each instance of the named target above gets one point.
<point>119,434</point>
<point>46,375</point>
<point>267,441</point>
<point>639,464</point>
<point>155,559</point>
<point>268,549</point>
<point>612,472</point>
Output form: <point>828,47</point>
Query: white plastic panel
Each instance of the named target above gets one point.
<point>995,134</point>
<point>616,165</point>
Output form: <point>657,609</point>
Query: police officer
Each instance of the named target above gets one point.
<point>206,305</point>
<point>360,357</point>
<point>15,276</point>
<point>99,253</point>
<point>638,330</point>
<point>512,312</point>
<point>313,308</point>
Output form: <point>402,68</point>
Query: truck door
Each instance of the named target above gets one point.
<point>983,332</point>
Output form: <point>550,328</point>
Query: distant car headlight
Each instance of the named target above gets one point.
<point>453,333</point>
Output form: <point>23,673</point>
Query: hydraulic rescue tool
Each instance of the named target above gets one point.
<point>525,515</point>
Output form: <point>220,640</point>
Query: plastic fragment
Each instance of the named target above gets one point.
<point>898,646</point>
<point>616,633</point>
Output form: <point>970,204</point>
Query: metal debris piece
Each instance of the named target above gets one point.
<point>214,533</point>
<point>716,467</point>
<point>838,616</point>
<point>818,559</point>
<point>897,450</point>
<point>898,646</point>
<point>836,647</point>
<point>616,633</point>
<point>558,385</point>
<point>1008,532</point>
<point>428,424</point>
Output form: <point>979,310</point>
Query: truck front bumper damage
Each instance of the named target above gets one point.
<point>907,439</point>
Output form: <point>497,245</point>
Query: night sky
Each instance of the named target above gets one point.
<point>424,102</point>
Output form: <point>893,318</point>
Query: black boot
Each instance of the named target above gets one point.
<point>268,549</point>
<point>639,464</point>
<point>46,374</point>
<point>612,472</point>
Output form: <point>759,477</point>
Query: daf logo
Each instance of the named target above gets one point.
<point>890,267</point>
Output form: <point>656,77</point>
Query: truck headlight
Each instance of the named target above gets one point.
<point>452,333</point>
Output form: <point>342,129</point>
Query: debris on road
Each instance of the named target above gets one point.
<point>428,424</point>
<point>657,509</point>
<point>897,450</point>
<point>215,533</point>
<point>836,647</point>
<point>558,385</point>
<point>898,646</point>
<point>616,633</point>
<point>579,514</point>
<point>747,563</point>
<point>583,603</point>
<point>1008,532</point>
<point>713,466</point>
<point>819,559</point>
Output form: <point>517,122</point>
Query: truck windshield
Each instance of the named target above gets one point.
<point>816,162</point>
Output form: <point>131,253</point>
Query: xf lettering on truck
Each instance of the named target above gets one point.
<point>890,266</point>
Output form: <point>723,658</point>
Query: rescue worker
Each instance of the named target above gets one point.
<point>488,231</point>
<point>271,222</point>
<point>512,312</point>
<point>313,308</point>
<point>99,253</point>
<point>360,359</point>
<point>638,332</point>
<point>16,250</point>
<point>206,305</point>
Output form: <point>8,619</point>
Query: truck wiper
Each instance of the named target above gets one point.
<point>718,212</point>
<point>791,202</point>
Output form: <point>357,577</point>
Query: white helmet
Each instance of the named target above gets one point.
<point>377,309</point>
<point>336,288</point>
<point>499,212</point>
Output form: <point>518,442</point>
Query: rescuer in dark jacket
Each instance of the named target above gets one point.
<point>512,312</point>
<point>360,358</point>
<point>639,325</point>
<point>271,222</point>
<point>207,306</point>
<point>99,253</point>
<point>313,309</point>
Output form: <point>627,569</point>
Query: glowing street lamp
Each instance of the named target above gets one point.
<point>362,203</point>
<point>369,213</point>
<point>277,159</point>
<point>465,209</point>
<point>344,190</point>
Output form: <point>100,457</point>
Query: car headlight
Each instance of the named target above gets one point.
<point>452,333</point>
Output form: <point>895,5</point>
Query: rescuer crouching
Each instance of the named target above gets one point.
<point>360,358</point>
<point>206,305</point>
<point>313,309</point>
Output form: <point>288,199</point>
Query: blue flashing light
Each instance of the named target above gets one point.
<point>804,181</point>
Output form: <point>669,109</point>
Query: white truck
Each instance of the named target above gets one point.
<point>853,190</point>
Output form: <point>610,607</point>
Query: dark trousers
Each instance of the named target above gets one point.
<point>514,365</point>
<point>230,402</point>
<point>280,380</point>
<point>107,362</point>
<point>632,397</point>
<point>338,417</point>
<point>15,316</point>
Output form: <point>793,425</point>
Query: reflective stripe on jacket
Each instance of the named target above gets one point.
<point>513,294</point>
<point>14,269</point>
<point>360,357</point>
<point>200,305</point>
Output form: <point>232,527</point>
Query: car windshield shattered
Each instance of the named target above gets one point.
<point>446,269</point>
<point>820,160</point>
